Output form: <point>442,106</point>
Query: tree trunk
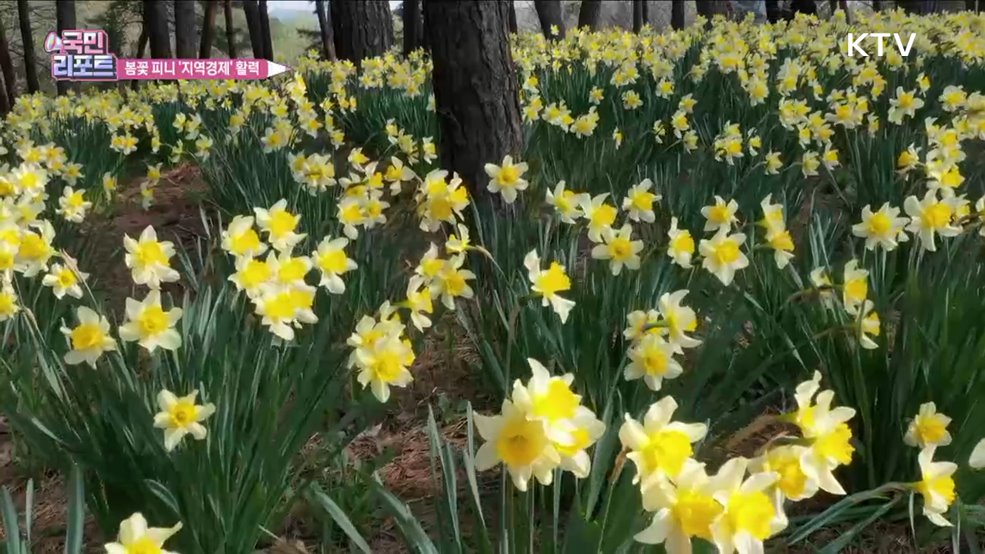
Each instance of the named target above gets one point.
<point>208,29</point>
<point>252,11</point>
<point>361,29</point>
<point>64,19</point>
<point>268,44</point>
<point>325,29</point>
<point>803,6</point>
<point>637,16</point>
<point>588,15</point>
<point>227,9</point>
<point>27,37</point>
<point>4,103</point>
<point>511,17</point>
<point>142,42</point>
<point>971,5</point>
<point>7,67</point>
<point>475,87</point>
<point>184,29</point>
<point>156,22</point>
<point>549,14</point>
<point>413,26</point>
<point>646,12</point>
<point>876,6</point>
<point>773,11</point>
<point>677,14</point>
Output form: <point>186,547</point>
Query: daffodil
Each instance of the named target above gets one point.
<point>855,288</point>
<point>252,273</point>
<point>507,179</point>
<point>684,508</point>
<point>280,226</point>
<point>9,306</point>
<point>550,400</point>
<point>678,320</point>
<point>639,201</point>
<point>869,326</point>
<point>385,364</point>
<point>600,215</point>
<point>659,446</point>
<point>936,485</point>
<point>149,259</point>
<point>331,260</point>
<point>519,443</point>
<point>180,416</point>
<point>64,280</point>
<point>904,104</point>
<point>549,283</point>
<point>930,217</point>
<point>720,215</point>
<point>681,245</point>
<point>566,202</point>
<point>241,239</point>
<point>35,249</point>
<point>652,358</point>
<point>722,255</point>
<point>785,461</point>
<point>136,538</point>
<point>928,428</point>
<point>89,339</point>
<point>419,303</point>
<point>750,515</point>
<point>150,325</point>
<point>882,228</point>
<point>72,205</point>
<point>977,458</point>
<point>619,248</point>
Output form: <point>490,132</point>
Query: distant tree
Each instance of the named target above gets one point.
<point>268,44</point>
<point>413,25</point>
<point>208,29</point>
<point>361,29</point>
<point>252,11</point>
<point>227,9</point>
<point>475,87</point>
<point>27,38</point>
<point>7,67</point>
<point>325,31</point>
<point>64,19</point>
<point>677,14</point>
<point>588,15</point>
<point>185,41</point>
<point>549,14</point>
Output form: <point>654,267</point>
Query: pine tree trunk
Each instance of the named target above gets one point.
<point>475,87</point>
<point>208,29</point>
<point>325,28</point>
<point>252,11</point>
<point>362,29</point>
<point>27,37</point>
<point>549,14</point>
<point>637,16</point>
<point>7,67</point>
<point>64,19</point>
<point>156,22</point>
<point>227,9</point>
<point>588,15</point>
<point>677,14</point>
<point>268,44</point>
<point>413,26</point>
<point>184,29</point>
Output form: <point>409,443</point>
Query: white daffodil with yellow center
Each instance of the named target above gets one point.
<point>720,215</point>
<point>586,432</point>
<point>89,339</point>
<point>684,508</point>
<point>722,255</point>
<point>619,248</point>
<point>936,485</point>
<point>930,217</point>
<point>419,302</point>
<point>521,444</point>
<point>928,428</point>
<point>882,228</point>
<point>549,399</point>
<point>785,461</point>
<point>680,246</point>
<point>149,259</point>
<point>241,240</point>
<point>678,320</point>
<point>659,446</point>
<point>136,538</point>
<point>180,416</point>
<point>384,364</point>
<point>9,306</point>
<point>827,431</point>
<point>548,283</point>
<point>639,201</point>
<point>451,282</point>
<point>35,250</point>
<point>977,458</point>
<point>280,226</point>
<point>567,203</point>
<point>507,179</point>
<point>750,515</point>
<point>855,288</point>
<point>599,214</point>
<point>252,274</point>
<point>652,358</point>
<point>72,205</point>
<point>331,260</point>
<point>64,280</point>
<point>150,325</point>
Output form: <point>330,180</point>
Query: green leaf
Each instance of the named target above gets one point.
<point>319,497</point>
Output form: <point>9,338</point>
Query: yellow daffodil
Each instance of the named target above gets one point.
<point>548,283</point>
<point>750,515</point>
<point>280,226</point>
<point>64,280</point>
<point>720,215</point>
<point>136,538</point>
<point>507,179</point>
<point>722,255</point>
<point>928,428</point>
<point>659,446</point>
<point>638,203</point>
<point>149,259</point>
<point>684,508</point>
<point>330,258</point>
<point>241,239</point>
<point>882,228</point>
<point>180,416</point>
<point>936,485</point>
<point>89,339</point>
<point>619,248</point>
<point>519,443</point>
<point>150,325</point>
<point>681,245</point>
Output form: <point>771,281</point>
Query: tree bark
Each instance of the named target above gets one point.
<point>268,44</point>
<point>971,5</point>
<point>803,6</point>
<point>64,19</point>
<point>184,29</point>
<point>325,28</point>
<point>27,37</point>
<point>413,26</point>
<point>7,67</point>
<point>156,22</point>
<point>677,14</point>
<point>475,87</point>
<point>252,11</point>
<point>876,5</point>
<point>4,103</point>
<point>637,16</point>
<point>227,9</point>
<point>208,29</point>
<point>511,17</point>
<point>361,29</point>
<point>588,15</point>
<point>549,14</point>
<point>773,11</point>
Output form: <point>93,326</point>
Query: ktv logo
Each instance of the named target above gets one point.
<point>855,43</point>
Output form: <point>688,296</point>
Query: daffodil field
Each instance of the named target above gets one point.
<point>728,297</point>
